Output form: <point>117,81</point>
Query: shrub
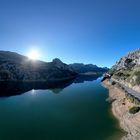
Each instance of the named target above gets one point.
<point>135,78</point>
<point>134,109</point>
<point>136,101</point>
<point>113,83</point>
<point>128,61</point>
<point>138,80</point>
<point>137,73</point>
<point>122,74</point>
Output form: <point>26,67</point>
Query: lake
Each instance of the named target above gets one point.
<point>77,111</point>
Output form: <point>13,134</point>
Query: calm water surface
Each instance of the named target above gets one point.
<point>77,112</point>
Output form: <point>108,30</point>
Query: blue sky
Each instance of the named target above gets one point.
<point>87,31</point>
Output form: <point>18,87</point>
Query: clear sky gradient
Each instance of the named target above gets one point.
<point>87,31</point>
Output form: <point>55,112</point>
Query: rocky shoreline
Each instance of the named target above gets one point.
<point>130,123</point>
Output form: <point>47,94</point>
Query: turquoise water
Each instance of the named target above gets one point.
<point>77,112</point>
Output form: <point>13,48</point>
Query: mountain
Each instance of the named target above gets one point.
<point>127,70</point>
<point>16,67</point>
<point>89,68</point>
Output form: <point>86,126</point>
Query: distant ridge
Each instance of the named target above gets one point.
<point>86,68</point>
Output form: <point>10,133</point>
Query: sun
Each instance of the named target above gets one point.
<point>33,54</point>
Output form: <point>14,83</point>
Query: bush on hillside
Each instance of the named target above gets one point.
<point>137,74</point>
<point>134,109</point>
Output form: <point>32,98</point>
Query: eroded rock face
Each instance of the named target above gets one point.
<point>131,60</point>
<point>15,67</point>
<point>127,70</point>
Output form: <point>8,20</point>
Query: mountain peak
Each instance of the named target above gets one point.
<point>56,60</point>
<point>130,60</point>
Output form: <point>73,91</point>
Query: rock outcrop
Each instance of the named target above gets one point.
<point>132,59</point>
<point>127,70</point>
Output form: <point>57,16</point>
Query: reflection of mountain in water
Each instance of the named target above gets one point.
<point>57,90</point>
<point>17,88</point>
<point>84,77</point>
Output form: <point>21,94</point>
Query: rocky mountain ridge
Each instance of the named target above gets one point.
<point>127,70</point>
<point>86,68</point>
<point>131,60</point>
<point>16,67</point>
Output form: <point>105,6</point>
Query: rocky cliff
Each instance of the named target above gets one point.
<point>127,70</point>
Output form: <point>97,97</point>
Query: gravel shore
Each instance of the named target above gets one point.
<point>120,109</point>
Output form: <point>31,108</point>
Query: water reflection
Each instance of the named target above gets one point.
<point>57,90</point>
<point>17,88</point>
<point>83,78</point>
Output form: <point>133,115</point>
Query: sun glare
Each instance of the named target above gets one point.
<point>33,54</point>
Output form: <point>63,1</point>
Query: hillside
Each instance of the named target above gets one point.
<point>15,67</point>
<point>127,70</point>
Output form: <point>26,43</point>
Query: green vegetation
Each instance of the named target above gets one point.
<point>131,76</point>
<point>134,109</point>
<point>128,61</point>
<point>132,99</point>
<point>122,74</point>
<point>137,74</point>
<point>134,79</point>
<point>113,83</point>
